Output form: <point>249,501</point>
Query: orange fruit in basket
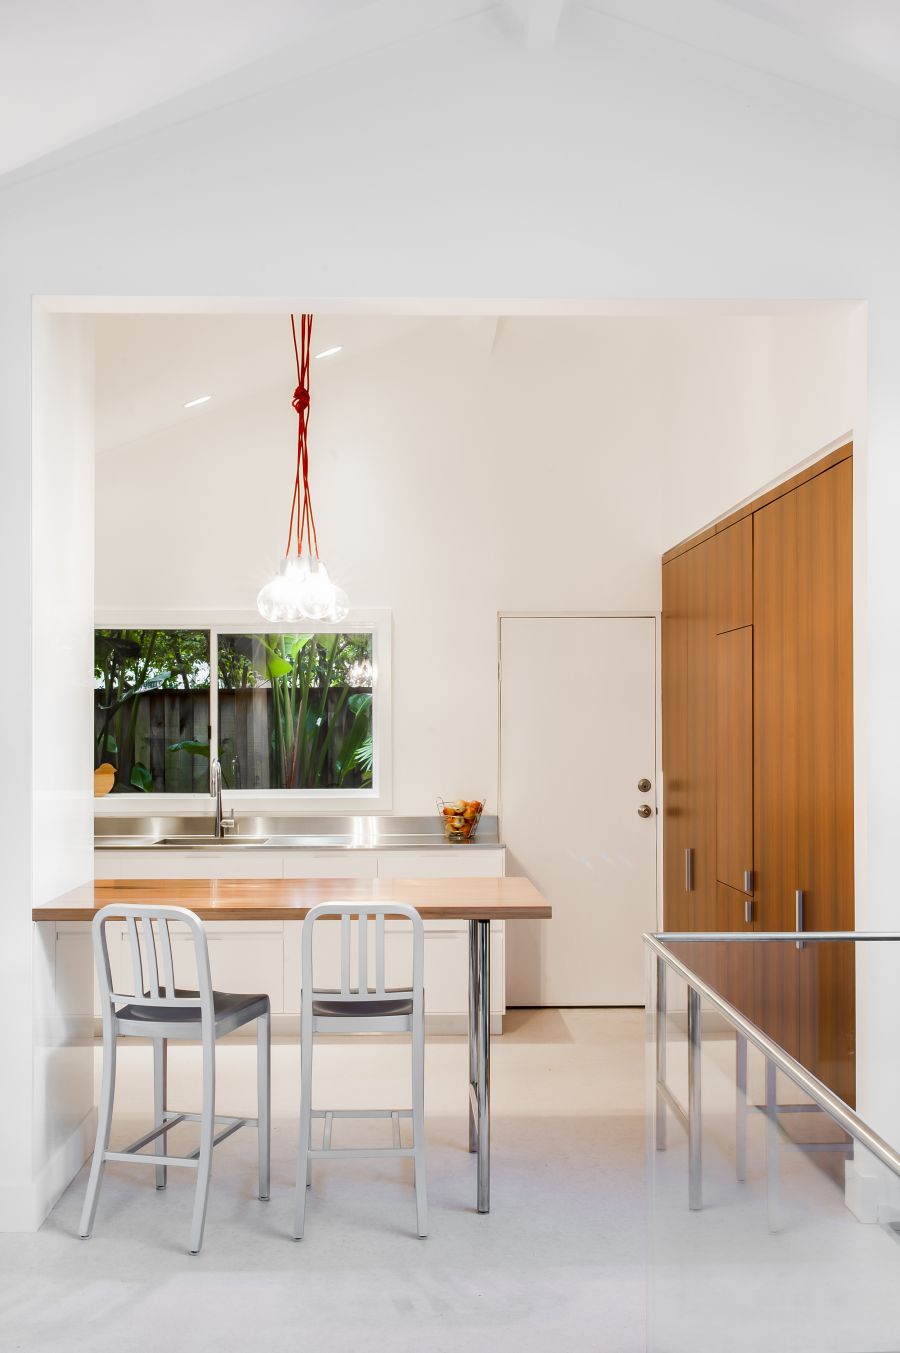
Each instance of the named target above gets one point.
<point>447,810</point>
<point>471,812</point>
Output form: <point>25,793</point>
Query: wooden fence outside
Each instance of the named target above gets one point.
<point>166,717</point>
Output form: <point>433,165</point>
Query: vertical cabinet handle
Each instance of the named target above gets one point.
<point>798,906</point>
<point>748,880</point>
<point>748,910</point>
<point>688,869</point>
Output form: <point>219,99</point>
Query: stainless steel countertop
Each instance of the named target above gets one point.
<point>195,832</point>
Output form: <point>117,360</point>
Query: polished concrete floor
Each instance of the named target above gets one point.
<point>589,1246</point>
<point>558,1261</point>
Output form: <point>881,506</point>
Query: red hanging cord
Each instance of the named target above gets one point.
<point>301,502</point>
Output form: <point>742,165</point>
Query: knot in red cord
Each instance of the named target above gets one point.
<point>301,398</point>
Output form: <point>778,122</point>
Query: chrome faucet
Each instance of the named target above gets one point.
<point>224,821</point>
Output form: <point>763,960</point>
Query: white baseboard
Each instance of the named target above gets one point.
<point>25,1207</point>
<point>438,1026</point>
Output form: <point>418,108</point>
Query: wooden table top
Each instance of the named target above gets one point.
<point>443,899</point>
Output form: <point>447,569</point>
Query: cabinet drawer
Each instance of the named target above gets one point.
<point>453,862</point>
<point>335,864</point>
<point>187,864</point>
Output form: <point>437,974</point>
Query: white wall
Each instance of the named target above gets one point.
<point>454,479</point>
<point>459,165</point>
<point>61,992</point>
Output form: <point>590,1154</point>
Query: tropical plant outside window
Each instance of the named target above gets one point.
<point>293,711</point>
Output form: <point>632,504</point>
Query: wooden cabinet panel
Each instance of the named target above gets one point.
<point>803,671</point>
<point>676,901</point>
<point>803,762</point>
<point>734,757</point>
<point>703,598</point>
<point>734,567</point>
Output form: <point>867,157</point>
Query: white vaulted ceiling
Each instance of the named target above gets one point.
<point>71,68</point>
<point>75,73</point>
<point>149,366</point>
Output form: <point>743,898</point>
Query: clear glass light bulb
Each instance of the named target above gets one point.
<point>280,598</point>
<point>302,590</point>
<point>316,593</point>
<point>340,607</point>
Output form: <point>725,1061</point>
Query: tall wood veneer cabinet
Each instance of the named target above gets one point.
<point>757,665</point>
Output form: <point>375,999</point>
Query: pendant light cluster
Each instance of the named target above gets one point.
<point>302,589</point>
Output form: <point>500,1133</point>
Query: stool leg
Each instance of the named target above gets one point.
<point>160,1068</point>
<point>418,1107</point>
<point>303,1161</point>
<point>264,1099</point>
<point>101,1145</point>
<point>207,1133</point>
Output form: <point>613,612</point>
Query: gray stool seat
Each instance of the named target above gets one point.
<point>362,1009</point>
<point>225,1006</point>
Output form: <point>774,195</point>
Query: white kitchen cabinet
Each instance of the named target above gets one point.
<point>188,864</point>
<point>265,955</point>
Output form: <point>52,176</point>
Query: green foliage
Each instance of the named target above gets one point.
<point>190,746</point>
<point>317,721</point>
<point>128,666</point>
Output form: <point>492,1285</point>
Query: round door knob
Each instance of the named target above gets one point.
<point>644,786</point>
<point>645,810</point>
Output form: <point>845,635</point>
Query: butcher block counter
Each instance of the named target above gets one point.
<point>281,899</point>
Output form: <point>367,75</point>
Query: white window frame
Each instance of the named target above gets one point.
<point>378,799</point>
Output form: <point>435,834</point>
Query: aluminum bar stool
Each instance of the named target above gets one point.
<point>157,1009</point>
<point>362,1008</point>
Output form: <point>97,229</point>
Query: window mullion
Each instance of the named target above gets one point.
<point>213,698</point>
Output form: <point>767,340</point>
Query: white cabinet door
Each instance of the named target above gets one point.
<point>570,805</point>
<point>243,957</point>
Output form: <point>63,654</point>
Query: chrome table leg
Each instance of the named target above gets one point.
<point>695,1145</point>
<point>473,1036</point>
<point>660,1054</point>
<point>740,1108</point>
<point>480,1087</point>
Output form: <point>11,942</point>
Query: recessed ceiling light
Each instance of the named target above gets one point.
<point>329,352</point>
<point>201,399</point>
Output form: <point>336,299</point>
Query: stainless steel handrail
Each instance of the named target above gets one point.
<point>810,1084</point>
<point>753,937</point>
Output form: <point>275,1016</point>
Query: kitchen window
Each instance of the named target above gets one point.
<point>296,715</point>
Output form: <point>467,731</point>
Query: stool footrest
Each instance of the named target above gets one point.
<point>141,1159</point>
<point>359,1152</point>
<point>173,1118</point>
<point>361,1113</point>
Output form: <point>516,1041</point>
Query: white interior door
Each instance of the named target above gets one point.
<point>577,733</point>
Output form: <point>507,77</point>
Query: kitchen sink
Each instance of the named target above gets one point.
<point>304,840</point>
<point>193,841</point>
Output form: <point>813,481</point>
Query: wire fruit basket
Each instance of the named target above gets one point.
<point>460,817</point>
